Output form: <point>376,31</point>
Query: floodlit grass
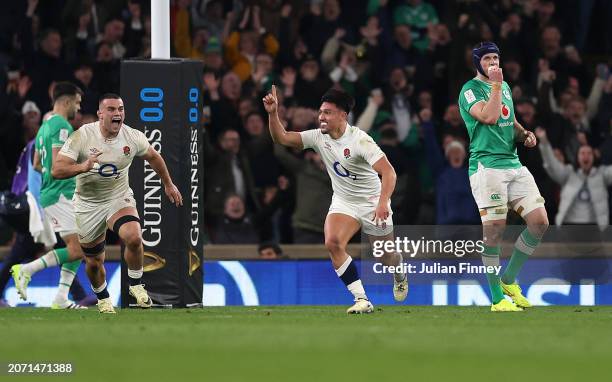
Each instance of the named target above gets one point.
<point>313,343</point>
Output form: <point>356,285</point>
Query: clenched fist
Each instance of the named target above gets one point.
<point>496,74</point>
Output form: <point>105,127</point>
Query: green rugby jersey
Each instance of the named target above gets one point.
<point>491,145</point>
<point>52,134</point>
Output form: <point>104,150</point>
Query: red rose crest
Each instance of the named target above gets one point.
<point>126,150</point>
<point>347,153</point>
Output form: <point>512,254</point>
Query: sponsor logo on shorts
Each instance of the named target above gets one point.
<point>495,197</point>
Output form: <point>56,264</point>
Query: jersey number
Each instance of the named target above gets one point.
<point>42,152</point>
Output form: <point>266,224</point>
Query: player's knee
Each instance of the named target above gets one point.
<point>75,251</point>
<point>334,245</point>
<point>539,227</point>
<point>133,240</point>
<point>94,262</point>
<point>493,233</point>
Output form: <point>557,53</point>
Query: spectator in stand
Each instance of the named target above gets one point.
<point>236,226</point>
<point>419,16</point>
<point>584,188</point>
<point>106,69</point>
<point>241,47</point>
<point>223,104</point>
<point>83,75</point>
<point>310,84</point>
<point>454,201</point>
<point>312,186</point>
<point>228,172</point>
<point>259,151</point>
<point>44,66</point>
<point>270,251</point>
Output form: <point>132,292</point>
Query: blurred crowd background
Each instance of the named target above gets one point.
<point>404,61</point>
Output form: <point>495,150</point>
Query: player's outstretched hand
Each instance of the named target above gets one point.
<point>270,101</point>
<point>92,160</point>
<point>496,74</point>
<point>173,194</point>
<point>381,214</point>
<point>530,139</point>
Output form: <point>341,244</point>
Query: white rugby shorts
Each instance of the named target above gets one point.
<point>91,218</point>
<point>494,187</point>
<point>363,212</point>
<point>61,216</point>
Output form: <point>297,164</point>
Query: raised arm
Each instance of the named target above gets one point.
<point>159,166</point>
<point>488,112</point>
<point>277,130</point>
<point>555,169</point>
<point>435,157</point>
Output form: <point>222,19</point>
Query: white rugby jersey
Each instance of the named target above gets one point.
<point>108,180</point>
<point>348,161</point>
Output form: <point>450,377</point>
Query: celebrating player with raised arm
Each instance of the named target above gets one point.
<point>497,177</point>
<point>100,155</point>
<point>360,199</point>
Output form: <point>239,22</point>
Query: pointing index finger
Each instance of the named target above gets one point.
<point>274,91</point>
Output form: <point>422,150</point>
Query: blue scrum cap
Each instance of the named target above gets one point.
<point>480,50</point>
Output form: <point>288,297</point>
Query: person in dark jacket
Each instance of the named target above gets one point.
<point>454,201</point>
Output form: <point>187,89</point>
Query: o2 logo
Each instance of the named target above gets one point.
<point>108,170</point>
<point>343,172</point>
<point>152,95</point>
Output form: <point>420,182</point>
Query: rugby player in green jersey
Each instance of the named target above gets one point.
<point>498,179</point>
<point>56,198</point>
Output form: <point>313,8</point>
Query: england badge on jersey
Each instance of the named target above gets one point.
<point>347,153</point>
<point>126,150</point>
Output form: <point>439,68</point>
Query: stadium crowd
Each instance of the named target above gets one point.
<point>404,61</point>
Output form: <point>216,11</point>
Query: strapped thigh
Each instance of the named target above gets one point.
<point>527,204</point>
<point>122,220</point>
<point>95,250</point>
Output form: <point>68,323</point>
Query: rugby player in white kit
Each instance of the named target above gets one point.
<point>360,200</point>
<point>100,155</point>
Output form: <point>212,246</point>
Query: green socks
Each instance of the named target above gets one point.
<point>490,257</point>
<point>523,248</point>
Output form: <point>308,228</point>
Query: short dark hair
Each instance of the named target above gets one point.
<point>65,89</point>
<point>109,96</point>
<point>339,98</point>
<point>269,244</point>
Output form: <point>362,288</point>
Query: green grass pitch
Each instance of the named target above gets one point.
<point>406,343</point>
